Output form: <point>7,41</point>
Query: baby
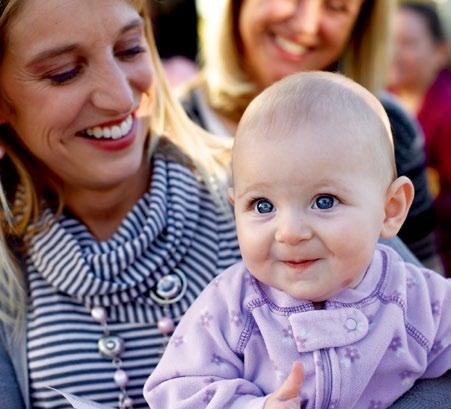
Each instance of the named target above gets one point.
<point>318,314</point>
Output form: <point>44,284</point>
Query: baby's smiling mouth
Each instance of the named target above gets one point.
<point>300,263</point>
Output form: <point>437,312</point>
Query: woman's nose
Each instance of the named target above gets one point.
<point>112,90</point>
<point>306,17</point>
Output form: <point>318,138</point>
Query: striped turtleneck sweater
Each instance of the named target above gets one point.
<point>174,226</point>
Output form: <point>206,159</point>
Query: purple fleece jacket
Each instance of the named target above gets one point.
<point>237,342</point>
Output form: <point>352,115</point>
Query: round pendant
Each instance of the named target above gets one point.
<point>169,288</point>
<point>110,346</point>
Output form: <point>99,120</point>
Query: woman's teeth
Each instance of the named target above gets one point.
<point>111,132</point>
<point>289,46</point>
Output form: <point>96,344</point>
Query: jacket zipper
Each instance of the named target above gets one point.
<point>327,368</point>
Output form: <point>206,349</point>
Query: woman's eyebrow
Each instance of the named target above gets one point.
<point>51,53</point>
<point>68,48</point>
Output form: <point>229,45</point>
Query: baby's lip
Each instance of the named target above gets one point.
<point>300,262</point>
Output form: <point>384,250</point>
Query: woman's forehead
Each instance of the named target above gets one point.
<point>47,18</point>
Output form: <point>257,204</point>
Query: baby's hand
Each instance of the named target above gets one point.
<point>287,396</point>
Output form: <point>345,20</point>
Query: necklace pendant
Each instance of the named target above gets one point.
<point>111,346</point>
<point>170,288</point>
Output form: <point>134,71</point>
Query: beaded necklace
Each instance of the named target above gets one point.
<point>168,290</point>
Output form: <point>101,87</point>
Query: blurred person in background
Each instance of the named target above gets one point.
<point>421,78</point>
<point>256,42</point>
<point>178,51</point>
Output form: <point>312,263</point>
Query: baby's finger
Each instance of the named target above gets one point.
<point>290,389</point>
<point>293,403</point>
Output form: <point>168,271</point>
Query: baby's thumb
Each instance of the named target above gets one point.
<point>292,386</point>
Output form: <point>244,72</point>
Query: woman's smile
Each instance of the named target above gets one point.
<point>112,136</point>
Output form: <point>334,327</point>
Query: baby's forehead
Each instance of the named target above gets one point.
<point>358,147</point>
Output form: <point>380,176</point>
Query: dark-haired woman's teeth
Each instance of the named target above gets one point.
<point>289,46</point>
<point>111,132</point>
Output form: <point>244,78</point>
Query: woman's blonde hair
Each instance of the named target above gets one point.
<point>209,156</point>
<point>229,89</point>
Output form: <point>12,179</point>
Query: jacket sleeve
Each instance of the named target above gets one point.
<point>10,394</point>
<point>202,366</point>
<point>439,357</point>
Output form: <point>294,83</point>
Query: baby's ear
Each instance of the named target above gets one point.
<point>398,199</point>
<point>231,195</point>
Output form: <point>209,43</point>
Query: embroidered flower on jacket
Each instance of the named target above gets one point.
<point>287,332</point>
<point>300,343</point>
<point>411,282</point>
<point>396,346</point>
<point>435,307</point>
<point>352,354</point>
<point>216,359</point>
<point>375,404</point>
<point>436,347</point>
<point>235,318</point>
<point>205,318</point>
<point>177,340</point>
<point>405,374</point>
<point>407,377</point>
<point>395,343</point>
<point>396,295</point>
<point>209,393</point>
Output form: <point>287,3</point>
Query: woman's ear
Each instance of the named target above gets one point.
<point>398,199</point>
<point>231,195</point>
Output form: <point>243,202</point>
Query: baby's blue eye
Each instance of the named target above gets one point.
<point>324,202</point>
<point>263,206</point>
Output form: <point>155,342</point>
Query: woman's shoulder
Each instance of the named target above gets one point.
<point>405,129</point>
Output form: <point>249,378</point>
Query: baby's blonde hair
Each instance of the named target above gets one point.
<point>322,100</point>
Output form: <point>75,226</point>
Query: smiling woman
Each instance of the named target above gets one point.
<point>108,229</point>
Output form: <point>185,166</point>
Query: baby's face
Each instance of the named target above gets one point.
<point>308,211</point>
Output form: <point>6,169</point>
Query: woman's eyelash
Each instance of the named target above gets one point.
<point>131,52</point>
<point>65,76</point>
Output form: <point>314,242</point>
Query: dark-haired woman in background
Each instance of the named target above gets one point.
<point>422,80</point>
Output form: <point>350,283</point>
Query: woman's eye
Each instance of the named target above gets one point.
<point>324,202</point>
<point>263,206</point>
<point>66,76</point>
<point>336,5</point>
<point>131,52</point>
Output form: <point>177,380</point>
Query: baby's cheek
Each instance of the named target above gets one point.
<point>346,283</point>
